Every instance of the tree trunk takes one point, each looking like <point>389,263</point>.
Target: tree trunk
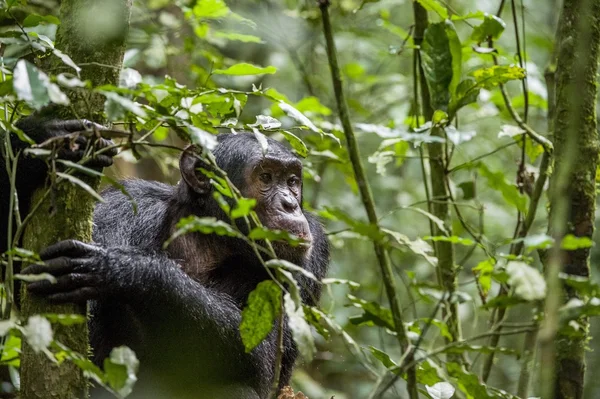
<point>93,33</point>
<point>572,188</point>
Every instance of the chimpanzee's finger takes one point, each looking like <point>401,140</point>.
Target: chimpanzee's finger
<point>76,296</point>
<point>100,161</point>
<point>77,125</point>
<point>68,282</point>
<point>56,267</point>
<point>71,248</point>
<point>103,143</point>
<point>70,155</point>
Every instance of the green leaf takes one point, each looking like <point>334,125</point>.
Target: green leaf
<point>456,52</point>
<point>243,69</point>
<point>352,284</point>
<point>467,92</point>
<point>72,179</point>
<point>296,143</point>
<point>488,78</point>
<point>66,319</point>
<point>484,272</point>
<point>298,116</point>
<point>243,207</point>
<point>120,370</point>
<point>24,254</point>
<point>35,20</point>
<point>289,266</point>
<point>435,6</point>
<point>263,308</point>
<point>204,225</point>
<point>441,390</point>
<point>300,328</point>
<point>383,357</point>
<point>265,122</point>
<point>491,28</point>
<point>116,105</point>
<point>264,233</point>
<point>509,192</point>
<point>11,351</point>
<point>30,278</point>
<point>452,239</point>
<point>571,242</point>
<point>373,314</point>
<point>470,384</point>
<point>441,54</point>
<point>468,189</point>
<point>312,105</point>
<point>238,37</point>
<point>417,246</point>
<point>34,87</point>
<point>210,9</point>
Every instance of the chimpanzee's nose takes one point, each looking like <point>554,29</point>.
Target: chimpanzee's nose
<point>289,203</point>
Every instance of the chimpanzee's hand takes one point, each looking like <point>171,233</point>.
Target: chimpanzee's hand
<point>71,137</point>
<point>82,273</point>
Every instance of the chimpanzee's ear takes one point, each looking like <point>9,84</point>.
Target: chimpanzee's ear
<point>189,163</point>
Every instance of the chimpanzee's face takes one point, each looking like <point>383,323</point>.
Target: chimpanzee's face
<point>276,184</point>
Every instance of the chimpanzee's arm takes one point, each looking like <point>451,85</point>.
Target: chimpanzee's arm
<point>164,298</point>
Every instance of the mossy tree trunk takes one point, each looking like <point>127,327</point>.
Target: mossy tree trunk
<point>573,188</point>
<point>93,33</point>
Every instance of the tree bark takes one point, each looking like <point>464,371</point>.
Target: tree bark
<point>572,189</point>
<point>93,34</point>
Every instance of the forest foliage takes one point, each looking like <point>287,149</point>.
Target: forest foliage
<point>449,108</point>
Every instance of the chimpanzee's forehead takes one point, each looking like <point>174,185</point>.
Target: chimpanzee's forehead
<point>246,148</point>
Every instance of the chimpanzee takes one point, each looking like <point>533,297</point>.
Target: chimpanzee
<point>179,309</point>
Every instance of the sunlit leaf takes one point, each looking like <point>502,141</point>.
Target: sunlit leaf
<point>491,77</point>
<point>298,116</point>
<point>491,28</point>
<point>571,242</point>
<point>300,328</point>
<point>33,86</point>
<point>435,6</point>
<point>120,370</point>
<point>263,308</point>
<point>263,233</point>
<point>210,9</point>
<point>245,69</point>
<point>204,225</point>
<point>238,37</point>
<point>484,272</point>
<point>441,390</point>
<point>296,143</point>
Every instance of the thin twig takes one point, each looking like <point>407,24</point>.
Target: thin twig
<point>367,198</point>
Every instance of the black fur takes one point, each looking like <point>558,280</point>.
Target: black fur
<point>179,309</point>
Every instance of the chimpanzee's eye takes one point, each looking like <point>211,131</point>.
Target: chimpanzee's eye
<point>266,178</point>
<point>293,181</point>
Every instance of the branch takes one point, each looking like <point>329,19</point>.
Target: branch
<point>367,199</point>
